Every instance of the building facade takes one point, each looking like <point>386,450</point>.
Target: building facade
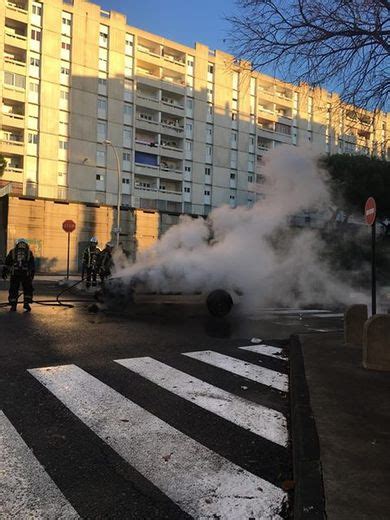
<point>189,125</point>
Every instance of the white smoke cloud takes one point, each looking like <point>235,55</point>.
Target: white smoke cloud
<point>235,248</point>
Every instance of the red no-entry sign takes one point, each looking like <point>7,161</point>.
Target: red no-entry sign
<point>370,211</point>
<point>370,215</point>
<point>68,226</point>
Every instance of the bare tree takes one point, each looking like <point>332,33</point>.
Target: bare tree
<point>339,44</point>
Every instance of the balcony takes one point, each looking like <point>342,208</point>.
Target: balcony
<point>147,96</point>
<point>171,148</point>
<point>147,70</point>
<point>146,169</point>
<point>174,104</point>
<point>171,126</point>
<point>147,120</point>
<point>12,142</point>
<point>172,77</point>
<point>264,144</point>
<point>17,10</point>
<point>174,57</point>
<point>148,47</point>
<point>15,59</point>
<point>13,114</point>
<point>284,97</point>
<point>15,34</point>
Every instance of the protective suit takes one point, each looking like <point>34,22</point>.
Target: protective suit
<point>20,264</point>
<point>91,260</point>
<point>105,262</point>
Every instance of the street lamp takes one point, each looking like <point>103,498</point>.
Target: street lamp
<point>118,167</point>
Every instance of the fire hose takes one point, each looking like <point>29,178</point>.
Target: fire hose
<point>57,302</point>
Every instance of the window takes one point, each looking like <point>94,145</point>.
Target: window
<point>64,95</point>
<point>210,68</point>
<point>127,137</point>
<point>14,80</point>
<point>209,92</point>
<point>129,43</point>
<point>99,177</point>
<point>233,176</point>
<point>104,14</point>
<point>102,104</point>
<point>100,157</point>
<point>187,169</point>
<point>65,45</point>
<point>128,109</point>
<point>35,62</point>
<point>103,39</point>
<point>36,35</point>
<point>233,140</point>
<point>65,70</point>
<point>126,181</point>
<point>209,153</point>
<point>128,89</point>
<point>250,179</point>
<point>207,171</point>
<point>101,131</point>
<point>63,145</point>
<point>187,189</point>
<point>126,156</point>
<point>36,9</point>
<point>235,80</point>
<point>33,138</point>
<point>234,116</point>
<point>67,19</point>
<point>63,127</point>
<point>207,192</point>
<point>188,146</point>
<point>232,197</point>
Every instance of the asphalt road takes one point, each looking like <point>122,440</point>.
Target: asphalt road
<point>152,411</point>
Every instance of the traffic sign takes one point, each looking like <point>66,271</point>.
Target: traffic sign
<point>68,226</point>
<point>370,211</point>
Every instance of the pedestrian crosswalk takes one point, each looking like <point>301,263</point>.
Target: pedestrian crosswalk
<point>197,478</point>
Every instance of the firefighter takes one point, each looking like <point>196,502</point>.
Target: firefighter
<point>91,262</point>
<point>20,264</point>
<point>106,262</point>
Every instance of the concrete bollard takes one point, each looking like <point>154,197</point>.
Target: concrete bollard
<point>376,343</point>
<point>355,317</point>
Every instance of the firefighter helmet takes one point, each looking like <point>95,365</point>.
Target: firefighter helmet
<point>94,240</point>
<point>22,241</point>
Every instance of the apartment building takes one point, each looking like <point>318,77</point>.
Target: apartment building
<point>81,88</point>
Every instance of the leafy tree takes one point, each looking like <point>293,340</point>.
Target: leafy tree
<point>354,178</point>
<point>3,164</point>
<point>344,43</point>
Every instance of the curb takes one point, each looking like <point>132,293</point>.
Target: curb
<point>309,498</point>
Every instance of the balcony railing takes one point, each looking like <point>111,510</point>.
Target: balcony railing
<point>146,50</point>
<point>14,61</point>
<point>12,115</point>
<point>16,7</point>
<point>12,34</point>
<point>13,169</point>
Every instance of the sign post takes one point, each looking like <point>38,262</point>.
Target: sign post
<point>370,215</point>
<point>68,226</point>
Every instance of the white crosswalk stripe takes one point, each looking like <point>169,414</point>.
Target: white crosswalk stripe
<point>199,480</point>
<point>262,375</point>
<point>266,350</point>
<point>259,419</point>
<point>26,490</point>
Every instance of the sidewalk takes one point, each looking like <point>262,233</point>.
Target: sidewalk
<point>351,408</point>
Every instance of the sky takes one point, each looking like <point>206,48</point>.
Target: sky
<point>183,21</point>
